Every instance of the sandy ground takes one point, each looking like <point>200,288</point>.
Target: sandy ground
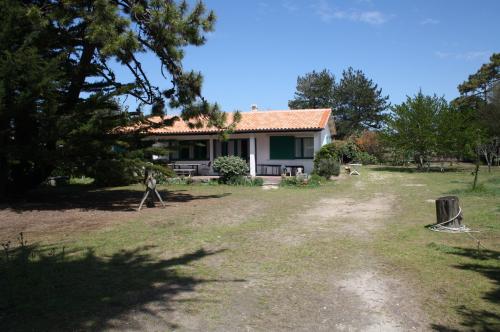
<point>362,297</point>
<point>358,296</point>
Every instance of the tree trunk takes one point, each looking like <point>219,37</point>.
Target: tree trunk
<point>447,208</point>
<point>476,172</point>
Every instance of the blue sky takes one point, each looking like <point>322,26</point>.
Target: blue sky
<point>259,48</point>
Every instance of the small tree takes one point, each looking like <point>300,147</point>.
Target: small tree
<point>369,142</point>
<point>415,126</point>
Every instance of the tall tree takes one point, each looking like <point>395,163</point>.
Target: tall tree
<point>482,82</point>
<point>479,101</point>
<point>57,62</point>
<point>314,90</point>
<point>358,103</point>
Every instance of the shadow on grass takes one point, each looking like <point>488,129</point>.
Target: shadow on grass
<point>484,262</point>
<point>43,290</point>
<point>89,198</point>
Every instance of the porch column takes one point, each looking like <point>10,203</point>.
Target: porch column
<point>317,141</point>
<point>252,157</point>
<point>211,153</point>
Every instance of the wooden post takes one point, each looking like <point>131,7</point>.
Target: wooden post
<point>448,208</point>
<point>150,189</point>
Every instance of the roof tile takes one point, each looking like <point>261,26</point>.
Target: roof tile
<point>255,121</point>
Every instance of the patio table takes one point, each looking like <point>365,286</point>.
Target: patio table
<point>355,169</point>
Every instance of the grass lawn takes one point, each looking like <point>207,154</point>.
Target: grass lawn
<point>352,254</point>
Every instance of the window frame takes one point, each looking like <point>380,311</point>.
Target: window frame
<point>300,141</point>
<point>175,148</point>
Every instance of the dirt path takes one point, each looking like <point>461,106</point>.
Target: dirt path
<point>351,291</point>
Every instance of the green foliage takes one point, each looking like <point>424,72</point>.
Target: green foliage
<point>359,103</point>
<point>125,171</point>
<point>427,126</point>
<point>483,81</point>
<point>58,89</point>
<point>314,90</point>
<point>301,181</point>
<point>369,142</point>
<point>366,158</point>
<point>480,101</point>
<point>230,167</point>
<point>326,167</point>
<point>245,181</point>
<point>118,172</point>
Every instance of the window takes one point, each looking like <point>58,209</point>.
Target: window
<point>200,150</point>
<point>281,147</point>
<point>184,150</point>
<point>187,150</point>
<point>308,147</point>
<point>224,147</point>
<point>304,147</point>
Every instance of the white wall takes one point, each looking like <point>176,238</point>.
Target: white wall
<point>263,152</point>
<point>262,146</point>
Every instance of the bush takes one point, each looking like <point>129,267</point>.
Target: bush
<point>370,142</point>
<point>118,172</point>
<point>230,167</point>
<point>366,158</point>
<point>301,181</point>
<point>122,172</point>
<point>326,166</point>
<point>245,181</point>
<point>162,174</point>
<point>315,180</point>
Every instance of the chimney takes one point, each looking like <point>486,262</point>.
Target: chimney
<point>254,108</point>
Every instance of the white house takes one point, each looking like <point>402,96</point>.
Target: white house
<point>268,140</point>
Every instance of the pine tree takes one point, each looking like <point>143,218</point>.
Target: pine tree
<point>56,77</point>
<point>358,103</point>
<point>314,90</point>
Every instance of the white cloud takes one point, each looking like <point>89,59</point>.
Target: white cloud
<point>467,56</point>
<point>327,13</point>
<point>289,5</point>
<point>429,21</point>
<point>372,17</point>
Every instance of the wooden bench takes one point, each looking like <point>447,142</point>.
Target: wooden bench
<point>184,171</point>
<point>262,169</point>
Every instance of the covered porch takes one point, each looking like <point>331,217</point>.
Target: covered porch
<point>267,154</point>
<point>194,156</point>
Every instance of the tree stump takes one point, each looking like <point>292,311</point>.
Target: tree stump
<point>448,208</point>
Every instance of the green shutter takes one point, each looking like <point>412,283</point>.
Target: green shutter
<point>282,147</point>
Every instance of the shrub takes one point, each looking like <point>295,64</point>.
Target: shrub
<point>118,172</point>
<point>258,182</point>
<point>326,167</point>
<point>301,181</point>
<point>366,158</point>
<point>122,172</point>
<point>162,174</point>
<point>315,180</point>
<point>370,142</point>
<point>230,167</point>
<point>245,181</point>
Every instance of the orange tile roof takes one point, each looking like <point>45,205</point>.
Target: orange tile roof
<point>254,121</point>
